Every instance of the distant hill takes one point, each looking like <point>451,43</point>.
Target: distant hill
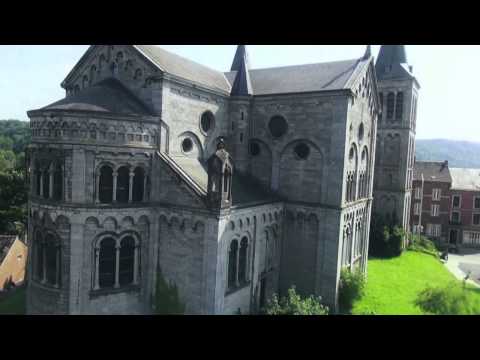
<point>458,153</point>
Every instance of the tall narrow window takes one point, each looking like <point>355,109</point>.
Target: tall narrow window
<point>39,247</point>
<point>107,263</point>
<point>106,185</point>
<point>46,183</point>
<point>123,184</point>
<point>51,260</point>
<point>242,261</point>
<point>399,107</point>
<point>138,185</point>
<point>232,264</point>
<point>38,184</point>
<point>390,105</point>
<point>58,183</point>
<point>127,261</point>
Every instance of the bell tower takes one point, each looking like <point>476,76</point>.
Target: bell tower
<point>398,92</point>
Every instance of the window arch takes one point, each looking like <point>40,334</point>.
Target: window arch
<point>58,183</point>
<point>390,105</point>
<point>207,121</point>
<point>243,261</point>
<point>107,263</point>
<point>105,187</point>
<point>232,264</point>
<point>47,255</point>
<point>123,184</point>
<point>127,260</point>
<point>399,106</point>
<point>138,185</point>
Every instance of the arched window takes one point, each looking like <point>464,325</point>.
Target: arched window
<point>58,183</point>
<point>207,121</point>
<point>105,187</point>
<point>47,255</point>
<point>390,105</point>
<point>51,260</point>
<point>107,263</point>
<point>123,184</point>
<point>127,261</point>
<point>38,273</point>
<point>138,185</point>
<point>399,106</point>
<point>46,182</point>
<point>232,264</point>
<point>242,261</point>
<point>38,180</point>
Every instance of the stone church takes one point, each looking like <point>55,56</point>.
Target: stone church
<point>232,186</point>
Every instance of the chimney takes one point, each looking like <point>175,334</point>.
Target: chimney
<point>444,165</point>
<point>410,68</point>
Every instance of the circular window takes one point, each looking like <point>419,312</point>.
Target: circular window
<point>187,145</point>
<point>207,121</point>
<point>302,151</point>
<point>254,149</point>
<point>278,126</point>
<point>361,132</point>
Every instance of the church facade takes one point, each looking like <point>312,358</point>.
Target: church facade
<point>230,186</point>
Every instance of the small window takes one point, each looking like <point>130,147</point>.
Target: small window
<point>456,201</point>
<point>302,151</point>
<point>399,106</point>
<point>207,121</point>
<point>390,105</point>
<point>455,217</point>
<point>436,194</point>
<point>187,145</point>
<point>255,149</point>
<point>476,204</point>
<point>476,219</point>
<point>361,132</point>
<point>278,126</point>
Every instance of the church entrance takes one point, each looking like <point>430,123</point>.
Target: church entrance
<point>453,237</point>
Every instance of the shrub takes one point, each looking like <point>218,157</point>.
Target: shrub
<point>422,244</point>
<point>352,288</point>
<point>167,300</point>
<point>293,304</point>
<point>386,239</point>
<point>449,300</point>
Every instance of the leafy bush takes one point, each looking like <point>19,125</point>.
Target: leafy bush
<point>167,300</point>
<point>293,304</point>
<point>422,244</point>
<point>386,238</point>
<point>449,300</point>
<point>352,288</point>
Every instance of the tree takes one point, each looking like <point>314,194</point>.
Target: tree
<point>386,238</point>
<point>351,289</point>
<point>294,304</point>
<point>13,199</point>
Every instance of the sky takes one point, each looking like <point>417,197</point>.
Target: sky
<point>449,75</point>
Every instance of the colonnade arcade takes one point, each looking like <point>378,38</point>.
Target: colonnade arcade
<point>47,252</point>
<point>123,184</point>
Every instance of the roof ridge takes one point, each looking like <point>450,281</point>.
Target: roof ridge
<point>301,65</point>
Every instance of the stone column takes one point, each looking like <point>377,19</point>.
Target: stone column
<point>130,187</point>
<point>96,284</point>
<point>97,188</point>
<point>145,188</point>
<point>114,197</point>
<point>237,282</point>
<point>135,265</point>
<point>117,267</point>
<point>57,266</point>
<point>40,173</point>
<point>44,256</point>
<point>50,184</point>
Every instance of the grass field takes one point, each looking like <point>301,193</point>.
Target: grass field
<point>393,284</point>
<point>13,304</point>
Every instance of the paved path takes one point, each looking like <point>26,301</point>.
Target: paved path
<point>461,264</point>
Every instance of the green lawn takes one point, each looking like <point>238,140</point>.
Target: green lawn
<point>393,284</point>
<point>13,304</point>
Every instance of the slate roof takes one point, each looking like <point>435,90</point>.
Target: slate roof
<point>465,179</point>
<point>300,78</point>
<point>185,68</point>
<point>392,63</point>
<point>432,171</point>
<point>108,96</point>
<point>244,189</point>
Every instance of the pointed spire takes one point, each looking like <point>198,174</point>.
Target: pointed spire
<point>390,59</point>
<point>368,53</point>
<point>242,85</point>
<point>241,57</point>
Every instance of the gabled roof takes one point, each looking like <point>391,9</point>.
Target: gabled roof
<point>436,171</point>
<point>107,96</point>
<point>185,68</point>
<point>300,78</point>
<point>465,179</point>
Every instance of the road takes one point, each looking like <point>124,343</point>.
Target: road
<point>467,261</point>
